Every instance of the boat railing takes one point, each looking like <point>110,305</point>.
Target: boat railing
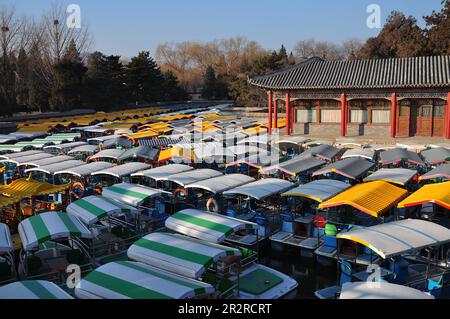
<point>98,250</point>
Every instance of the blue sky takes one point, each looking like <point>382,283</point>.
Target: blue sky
<point>125,27</point>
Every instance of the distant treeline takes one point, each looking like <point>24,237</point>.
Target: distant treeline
<point>44,65</point>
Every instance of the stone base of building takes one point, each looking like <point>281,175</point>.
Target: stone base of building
<point>374,131</point>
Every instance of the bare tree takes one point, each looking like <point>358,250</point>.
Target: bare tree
<point>54,36</point>
<point>189,60</point>
<point>305,48</point>
<point>351,47</point>
<point>14,31</point>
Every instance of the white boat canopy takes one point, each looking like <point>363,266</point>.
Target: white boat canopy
<point>102,139</point>
<point>399,176</point>
<point>212,151</point>
<point>257,160</point>
<point>163,171</point>
<point>398,237</point>
<point>33,289</point>
<point>256,139</point>
<point>206,226</point>
<point>109,153</point>
<point>64,147</point>
<point>84,149</point>
<point>261,189</point>
<point>19,154</point>
<point>380,290</point>
<point>319,190</point>
<point>296,140</point>
<point>91,209</point>
<point>367,153</point>
<point>442,171</point>
<point>246,149</point>
<point>192,176</point>
<point>123,170</point>
<point>41,228</point>
<point>131,194</point>
<point>26,159</point>
<point>56,167</point>
<point>134,280</point>
<point>6,244</point>
<point>178,254</point>
<point>86,169</point>
<point>48,161</point>
<point>222,183</point>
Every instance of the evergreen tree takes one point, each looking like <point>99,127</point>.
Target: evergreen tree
<point>221,87</point>
<point>400,37</point>
<point>282,54</point>
<point>105,78</point>
<point>144,79</point>
<point>209,83</point>
<point>69,76</point>
<point>438,30</point>
<point>7,84</point>
<point>291,59</point>
<point>172,89</point>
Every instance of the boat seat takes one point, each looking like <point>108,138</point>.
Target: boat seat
<point>328,293</point>
<point>310,243</point>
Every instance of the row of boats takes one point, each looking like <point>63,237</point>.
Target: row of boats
<point>145,228</point>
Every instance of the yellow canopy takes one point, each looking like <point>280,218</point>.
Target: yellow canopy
<point>434,193</point>
<point>215,117</point>
<point>143,134</point>
<point>281,124</point>
<point>27,187</point>
<point>374,198</point>
<point>176,117</point>
<point>255,130</point>
<point>176,151</point>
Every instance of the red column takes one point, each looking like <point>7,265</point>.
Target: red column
<point>343,115</point>
<point>288,114</point>
<point>447,118</point>
<point>393,114</point>
<point>292,119</point>
<point>275,114</point>
<point>270,97</point>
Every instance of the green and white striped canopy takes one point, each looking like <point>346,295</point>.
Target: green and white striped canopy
<point>33,289</point>
<point>38,229</point>
<point>178,254</point>
<point>131,194</point>
<point>134,280</point>
<point>93,208</point>
<point>206,226</point>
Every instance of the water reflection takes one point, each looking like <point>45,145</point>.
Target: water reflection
<point>309,274</point>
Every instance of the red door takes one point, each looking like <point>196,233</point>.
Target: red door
<point>438,120</point>
<point>424,120</point>
<point>404,120</point>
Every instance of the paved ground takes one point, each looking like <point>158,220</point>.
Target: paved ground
<point>408,141</point>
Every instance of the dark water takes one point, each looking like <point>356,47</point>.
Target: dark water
<point>310,275</point>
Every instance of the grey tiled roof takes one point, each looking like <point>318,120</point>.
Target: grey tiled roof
<point>360,74</point>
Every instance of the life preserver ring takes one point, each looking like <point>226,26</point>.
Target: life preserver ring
<point>61,153</point>
<point>319,222</point>
<point>88,159</point>
<point>176,194</point>
<point>78,185</point>
<point>212,202</point>
<point>98,190</point>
